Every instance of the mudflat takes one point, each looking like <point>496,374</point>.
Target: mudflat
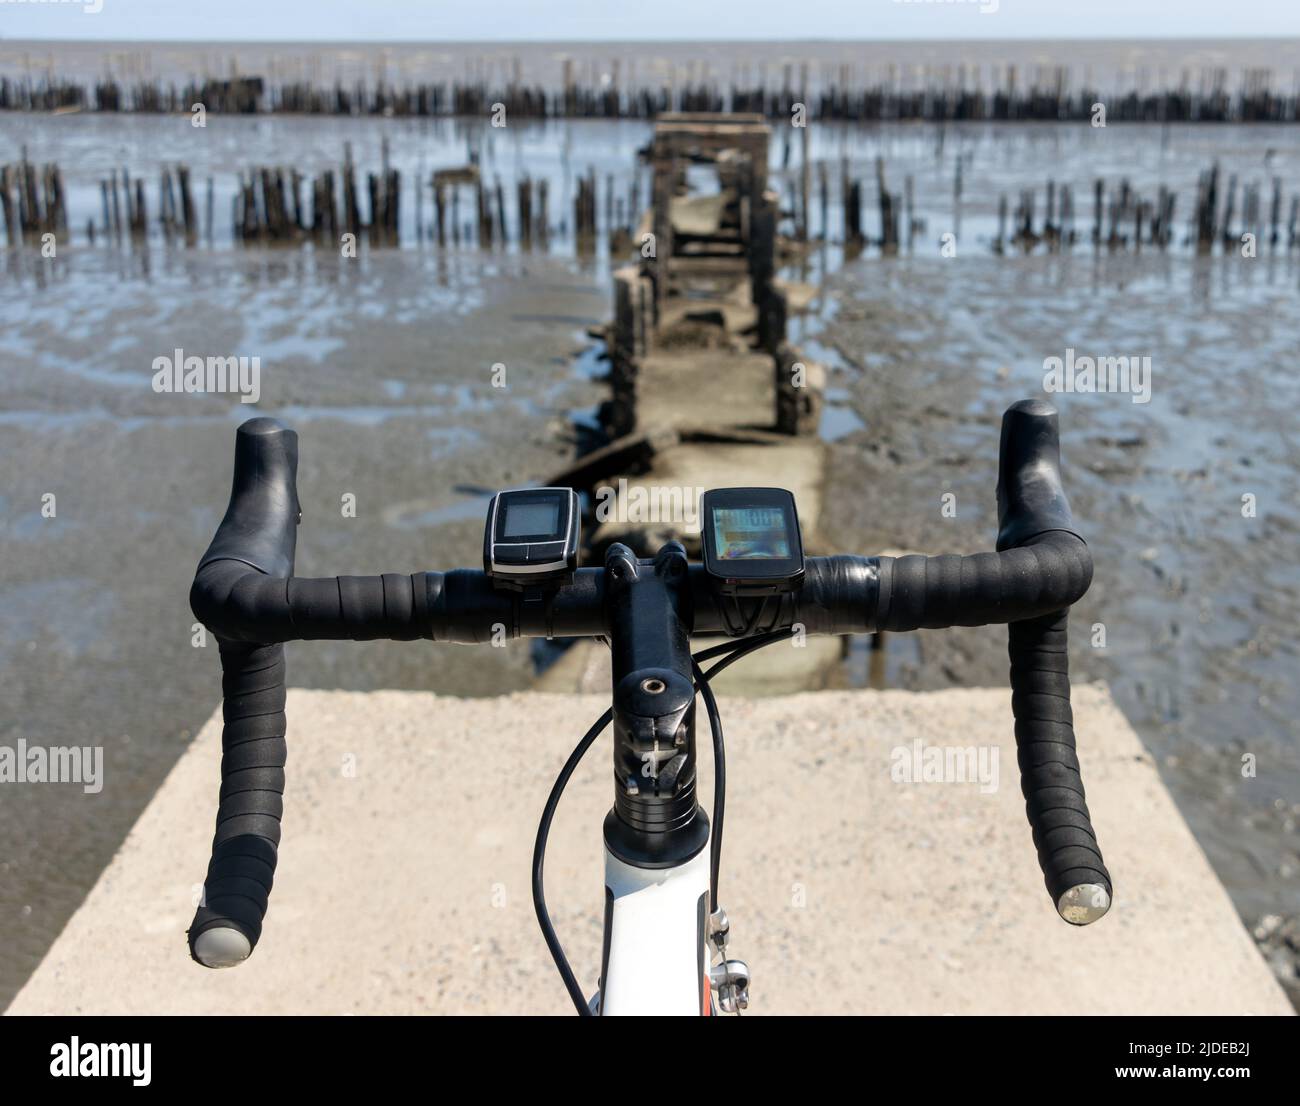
<point>385,371</point>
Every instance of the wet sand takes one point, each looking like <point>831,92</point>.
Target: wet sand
<point>1199,604</point>
<point>384,369</point>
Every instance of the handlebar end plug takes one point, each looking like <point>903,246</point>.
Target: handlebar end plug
<point>1084,904</point>
<point>221,947</point>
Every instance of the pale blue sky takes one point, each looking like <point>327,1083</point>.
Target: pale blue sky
<point>621,20</point>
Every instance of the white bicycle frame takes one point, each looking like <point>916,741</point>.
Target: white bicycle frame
<point>656,956</point>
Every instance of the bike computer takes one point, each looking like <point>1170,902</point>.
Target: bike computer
<point>751,542</point>
<point>531,537</point>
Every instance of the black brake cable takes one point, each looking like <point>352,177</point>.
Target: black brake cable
<point>539,859</point>
<point>719,781</point>
<point>730,653</point>
<point>734,650</point>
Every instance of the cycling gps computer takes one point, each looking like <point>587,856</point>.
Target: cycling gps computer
<point>751,542</point>
<point>531,537</point>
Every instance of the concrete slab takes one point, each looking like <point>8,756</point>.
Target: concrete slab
<point>403,880</point>
<point>708,388</point>
<point>797,464</point>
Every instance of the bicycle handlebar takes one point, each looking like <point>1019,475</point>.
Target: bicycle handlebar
<point>244,591</point>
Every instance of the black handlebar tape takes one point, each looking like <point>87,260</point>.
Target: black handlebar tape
<point>929,593</point>
<point>258,533</point>
<point>239,604</point>
<point>228,921</point>
<point>1050,780</point>
<point>1033,512</point>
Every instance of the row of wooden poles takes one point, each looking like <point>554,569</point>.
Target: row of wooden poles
<point>1124,219</point>
<point>125,211</point>
<point>271,206</point>
<point>491,226</point>
<point>32,201</point>
<point>465,208</point>
<point>944,93</point>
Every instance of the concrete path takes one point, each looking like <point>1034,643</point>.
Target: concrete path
<point>714,388</point>
<point>409,822</point>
